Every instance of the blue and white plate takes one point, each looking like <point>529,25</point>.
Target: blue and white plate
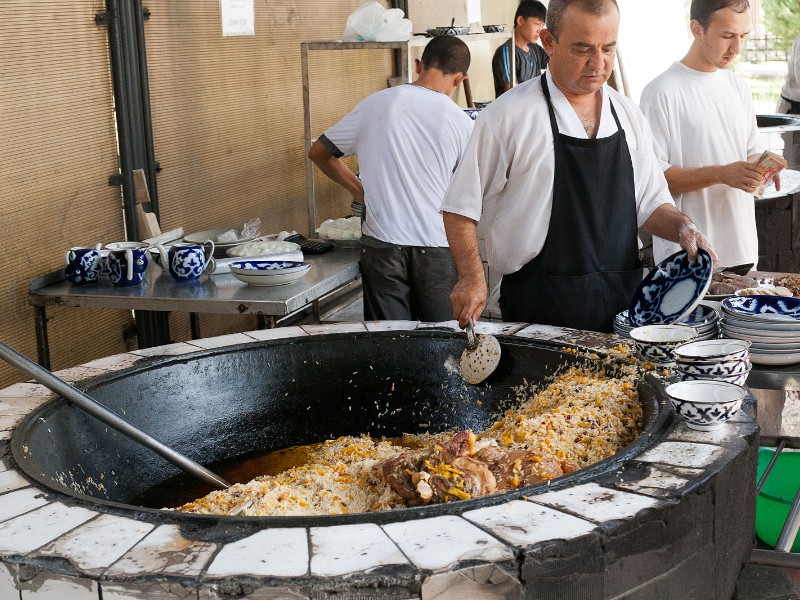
<point>672,290</point>
<point>772,309</point>
<point>268,273</point>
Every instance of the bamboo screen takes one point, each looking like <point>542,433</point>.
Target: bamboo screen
<point>58,150</point>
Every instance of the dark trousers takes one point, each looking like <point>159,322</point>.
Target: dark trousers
<point>406,282</point>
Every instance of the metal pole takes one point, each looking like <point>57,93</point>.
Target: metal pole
<point>100,412</point>
<point>147,121</point>
<point>790,527</point>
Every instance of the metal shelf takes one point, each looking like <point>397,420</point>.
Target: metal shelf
<point>406,60</point>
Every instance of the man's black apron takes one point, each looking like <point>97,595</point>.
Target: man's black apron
<point>589,268</point>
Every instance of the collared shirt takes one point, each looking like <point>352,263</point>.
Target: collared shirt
<point>505,177</point>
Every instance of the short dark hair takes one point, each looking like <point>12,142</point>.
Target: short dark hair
<point>702,10</point>
<point>446,53</point>
<point>530,9</point>
<point>557,8</point>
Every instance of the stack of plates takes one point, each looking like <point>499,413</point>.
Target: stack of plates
<point>703,318</point>
<point>265,272</point>
<point>770,323</point>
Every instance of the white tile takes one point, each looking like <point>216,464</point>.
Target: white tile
<point>28,532</point>
<point>484,582</point>
<point>148,590</point>
<point>220,341</point>
<point>276,333</point>
<point>333,328</point>
<point>97,543</point>
<point>596,503</point>
<point>27,390</point>
<point>280,552</point>
<point>345,549</point>
<point>441,325</point>
<point>545,332</point>
<point>116,362</point>
<point>20,501</point>
<point>680,454</point>
<point>497,328</point>
<point>167,350</point>
<point>659,481</point>
<point>10,405</point>
<point>525,523</point>
<point>9,422</point>
<point>8,586</point>
<point>165,550</point>
<point>59,587</point>
<point>271,593</point>
<point>11,480</point>
<point>77,374</point>
<point>391,325</point>
<point>439,542</point>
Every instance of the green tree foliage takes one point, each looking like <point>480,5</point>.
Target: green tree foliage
<point>782,19</point>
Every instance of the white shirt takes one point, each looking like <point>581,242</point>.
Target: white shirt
<point>408,140</point>
<point>505,176</point>
<point>791,87</point>
<point>700,119</point>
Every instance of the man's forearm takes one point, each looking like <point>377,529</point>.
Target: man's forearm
<point>336,170</point>
<point>682,181</point>
<point>462,235</point>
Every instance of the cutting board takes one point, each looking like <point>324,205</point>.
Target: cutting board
<point>146,220</point>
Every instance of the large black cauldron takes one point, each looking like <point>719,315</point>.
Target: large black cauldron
<point>246,400</point>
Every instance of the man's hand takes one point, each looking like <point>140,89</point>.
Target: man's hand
<point>690,239</point>
<point>469,300</point>
<point>742,175</point>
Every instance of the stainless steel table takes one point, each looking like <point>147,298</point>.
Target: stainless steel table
<point>220,293</point>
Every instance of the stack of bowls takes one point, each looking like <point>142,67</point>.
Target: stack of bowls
<point>703,319</point>
<point>770,323</point>
<point>717,360</point>
<point>656,343</point>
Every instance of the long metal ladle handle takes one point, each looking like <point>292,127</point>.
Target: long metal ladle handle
<point>100,412</point>
<point>472,341</point>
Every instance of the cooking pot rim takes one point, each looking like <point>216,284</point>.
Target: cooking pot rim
<point>652,394</point>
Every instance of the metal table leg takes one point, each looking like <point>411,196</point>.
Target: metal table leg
<point>42,345</point>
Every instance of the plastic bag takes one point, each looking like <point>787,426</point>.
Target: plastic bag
<point>373,23</point>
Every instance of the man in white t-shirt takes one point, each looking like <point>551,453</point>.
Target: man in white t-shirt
<point>706,136</point>
<point>408,140</point>
<point>561,214</point>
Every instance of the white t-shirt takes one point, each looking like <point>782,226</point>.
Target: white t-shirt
<point>505,176</point>
<point>700,119</point>
<point>408,140</point>
<point>791,87</point>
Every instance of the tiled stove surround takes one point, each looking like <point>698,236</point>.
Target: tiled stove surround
<point>674,522</point>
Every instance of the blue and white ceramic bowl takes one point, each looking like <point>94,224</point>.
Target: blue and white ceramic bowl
<point>726,368</point>
<point>706,404</point>
<point>737,379</point>
<point>657,342</point>
<point>718,350</point>
<point>773,309</point>
<point>672,290</point>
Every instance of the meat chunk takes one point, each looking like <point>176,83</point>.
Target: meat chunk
<point>514,469</point>
<point>439,474</point>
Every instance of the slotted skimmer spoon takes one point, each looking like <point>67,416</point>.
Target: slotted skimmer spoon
<point>110,418</point>
<point>480,357</point>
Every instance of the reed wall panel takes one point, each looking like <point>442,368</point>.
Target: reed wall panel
<point>58,150</point>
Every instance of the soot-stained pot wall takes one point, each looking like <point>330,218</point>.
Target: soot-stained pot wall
<point>673,515</point>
